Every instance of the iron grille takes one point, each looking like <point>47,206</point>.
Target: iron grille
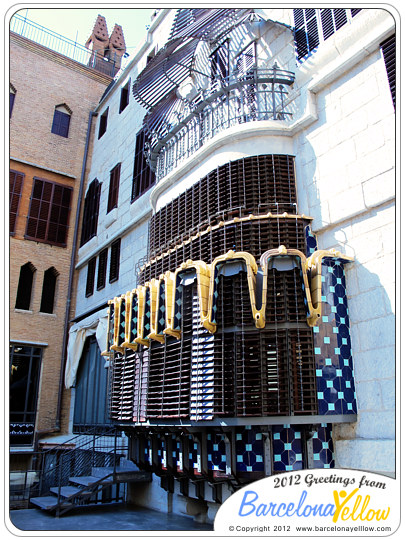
<point>251,185</point>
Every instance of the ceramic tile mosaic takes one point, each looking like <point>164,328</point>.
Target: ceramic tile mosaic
<point>194,455</point>
<point>216,452</point>
<point>178,453</point>
<point>249,449</point>
<point>287,448</point>
<point>311,241</point>
<point>332,345</point>
<point>322,447</point>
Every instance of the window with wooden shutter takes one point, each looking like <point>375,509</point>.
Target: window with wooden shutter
<point>24,290</point>
<point>245,61</point>
<point>124,101</point>
<point>12,98</point>
<point>220,64</point>
<point>16,183</point>
<point>90,212</point>
<point>114,188</point>
<point>61,121</point>
<point>313,26</point>
<point>48,217</point>
<point>48,290</point>
<point>144,177</point>
<point>91,272</point>
<point>102,128</point>
<point>115,260</point>
<point>102,269</point>
<point>388,50</point>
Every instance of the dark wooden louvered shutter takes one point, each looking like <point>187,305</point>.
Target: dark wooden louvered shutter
<point>115,260</point>
<point>102,269</point>
<point>16,183</point>
<point>91,272</point>
<point>49,212</point>
<point>124,101</point>
<point>90,212</point>
<point>143,177</point>
<point>60,124</point>
<point>306,31</point>
<point>246,60</point>
<point>388,50</point>
<point>48,291</point>
<point>12,97</point>
<point>114,188</point>
<point>220,63</point>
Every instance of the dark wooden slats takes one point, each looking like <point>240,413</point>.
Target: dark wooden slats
<point>388,50</point>
<point>253,185</point>
<point>115,260</point>
<point>254,236</point>
<point>49,212</point>
<point>90,212</point>
<point>16,183</point>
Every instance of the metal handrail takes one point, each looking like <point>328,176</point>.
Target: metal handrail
<point>255,96</point>
<point>47,38</point>
<point>69,456</point>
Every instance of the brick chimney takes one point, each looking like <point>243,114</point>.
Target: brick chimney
<point>107,51</point>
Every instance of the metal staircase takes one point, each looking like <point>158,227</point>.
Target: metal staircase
<point>88,470</point>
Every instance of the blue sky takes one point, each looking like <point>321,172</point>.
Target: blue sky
<point>77,23</point>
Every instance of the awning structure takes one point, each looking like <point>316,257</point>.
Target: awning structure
<point>78,334</point>
<point>176,61</point>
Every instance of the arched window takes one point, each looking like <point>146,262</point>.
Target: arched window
<point>48,290</point>
<point>90,212</point>
<point>24,291</point>
<point>12,97</point>
<point>61,120</point>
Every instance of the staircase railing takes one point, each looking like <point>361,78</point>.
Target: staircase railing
<point>77,457</point>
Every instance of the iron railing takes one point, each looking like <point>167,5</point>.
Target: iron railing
<point>258,95</point>
<point>76,457</point>
<point>62,45</point>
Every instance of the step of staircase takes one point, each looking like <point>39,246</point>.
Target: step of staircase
<point>84,480</point>
<point>69,491</point>
<point>48,503</point>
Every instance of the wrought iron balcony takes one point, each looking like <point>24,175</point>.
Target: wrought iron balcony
<point>179,127</point>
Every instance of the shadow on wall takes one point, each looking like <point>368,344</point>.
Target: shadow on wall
<point>369,238</point>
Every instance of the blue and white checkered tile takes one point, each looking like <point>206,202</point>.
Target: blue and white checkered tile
<point>287,448</point>
<point>332,345</point>
<point>311,241</point>
<point>249,449</point>
<point>323,454</point>
<point>216,452</point>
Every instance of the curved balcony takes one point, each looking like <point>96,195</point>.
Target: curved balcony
<point>179,126</point>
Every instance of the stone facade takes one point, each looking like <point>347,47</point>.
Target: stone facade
<point>342,135</point>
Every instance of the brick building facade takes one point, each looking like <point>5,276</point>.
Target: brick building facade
<point>51,97</point>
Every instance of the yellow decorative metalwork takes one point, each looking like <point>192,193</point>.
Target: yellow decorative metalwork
<point>203,272</point>
<point>206,287</point>
<point>129,343</point>
<point>109,308</point>
<point>154,286</point>
<point>314,268</point>
<point>282,251</point>
<point>251,270</point>
<point>141,339</point>
<point>169,279</point>
<point>116,346</point>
